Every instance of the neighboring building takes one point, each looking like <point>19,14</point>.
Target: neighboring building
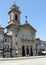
<point>40,46</point>
<point>19,40</point>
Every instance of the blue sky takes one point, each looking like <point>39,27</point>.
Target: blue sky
<point>34,9</point>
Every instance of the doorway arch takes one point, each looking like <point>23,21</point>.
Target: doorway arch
<point>23,50</point>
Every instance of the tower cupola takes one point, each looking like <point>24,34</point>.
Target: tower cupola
<point>14,15</point>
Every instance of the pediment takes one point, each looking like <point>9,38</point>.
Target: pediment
<point>27,26</point>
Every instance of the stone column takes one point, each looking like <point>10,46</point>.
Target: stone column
<point>25,51</point>
<point>34,52</point>
<point>29,50</point>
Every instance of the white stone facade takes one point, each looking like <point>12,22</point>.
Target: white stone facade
<point>40,46</point>
<point>19,40</point>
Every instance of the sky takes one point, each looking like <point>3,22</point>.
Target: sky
<point>35,11</point>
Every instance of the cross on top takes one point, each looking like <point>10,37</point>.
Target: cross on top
<point>14,2</point>
<point>26,19</point>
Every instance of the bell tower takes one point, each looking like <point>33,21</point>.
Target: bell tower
<point>14,15</point>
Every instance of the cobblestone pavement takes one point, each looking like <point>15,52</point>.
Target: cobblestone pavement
<point>24,61</point>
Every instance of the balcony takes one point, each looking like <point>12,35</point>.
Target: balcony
<point>27,40</point>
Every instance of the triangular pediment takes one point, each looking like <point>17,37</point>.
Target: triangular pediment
<point>27,26</point>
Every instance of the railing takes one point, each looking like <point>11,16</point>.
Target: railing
<point>28,40</point>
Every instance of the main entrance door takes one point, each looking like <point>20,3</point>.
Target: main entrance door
<point>23,50</point>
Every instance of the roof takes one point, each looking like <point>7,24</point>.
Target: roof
<point>10,25</point>
<point>40,40</point>
<point>8,34</point>
<point>14,8</point>
<point>37,38</point>
<point>1,27</point>
<point>27,24</point>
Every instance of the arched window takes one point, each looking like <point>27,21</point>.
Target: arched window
<point>16,35</point>
<point>5,40</point>
<point>23,50</point>
<point>16,43</point>
<point>16,17</point>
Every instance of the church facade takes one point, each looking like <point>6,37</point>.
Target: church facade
<point>19,40</point>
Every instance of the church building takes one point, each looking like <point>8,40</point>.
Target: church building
<point>19,39</point>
